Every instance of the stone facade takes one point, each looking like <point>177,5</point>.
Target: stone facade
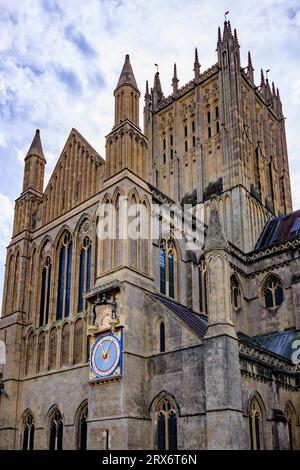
<point>200,346</point>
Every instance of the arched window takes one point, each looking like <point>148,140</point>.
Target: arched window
<point>166,425</point>
<point>235,292</point>
<point>28,432</point>
<point>64,277</point>
<point>209,132</point>
<point>56,431</point>
<point>272,292</point>
<point>82,429</point>
<point>162,337</point>
<point>256,425</point>
<point>202,287</point>
<point>167,268</point>
<point>85,268</point>
<point>45,292</point>
<point>290,422</point>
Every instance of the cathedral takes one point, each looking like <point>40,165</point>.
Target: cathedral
<point>159,341</point>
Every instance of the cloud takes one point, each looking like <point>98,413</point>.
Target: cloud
<point>6,219</point>
<point>69,79</point>
<point>79,40</point>
<point>60,62</point>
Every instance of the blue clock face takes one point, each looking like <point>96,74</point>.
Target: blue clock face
<point>105,355</point>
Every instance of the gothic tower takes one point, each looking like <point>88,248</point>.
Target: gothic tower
<point>126,145</point>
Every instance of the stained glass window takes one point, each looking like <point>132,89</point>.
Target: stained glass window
<point>64,277</point>
<point>256,425</point>
<point>82,429</point>
<point>167,268</point>
<point>85,266</point>
<point>45,293</point>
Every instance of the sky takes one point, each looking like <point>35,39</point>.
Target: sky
<point>60,61</point>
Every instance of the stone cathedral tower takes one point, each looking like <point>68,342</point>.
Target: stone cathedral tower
<point>160,344</point>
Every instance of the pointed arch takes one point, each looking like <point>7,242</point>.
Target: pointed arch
<point>65,343</point>
<point>145,231</point>
<point>291,423</point>
<point>16,280</point>
<point>81,425</point>
<point>236,291</point>
<point>53,344</point>
<point>272,291</point>
<point>78,341</point>
<point>165,414</point>
<point>31,286</point>
<point>56,428</point>
<point>28,429</point>
<point>9,274</point>
<point>65,255</point>
<point>29,353</point>
<point>168,267</point>
<point>41,351</point>
<point>256,413</point>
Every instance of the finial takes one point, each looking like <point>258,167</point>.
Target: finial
<point>219,35</point>
<point>175,80</point>
<point>273,89</point>
<point>147,87</point>
<point>196,65</point>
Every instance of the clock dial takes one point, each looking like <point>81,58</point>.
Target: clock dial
<point>105,355</point>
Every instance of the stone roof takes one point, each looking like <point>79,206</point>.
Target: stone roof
<point>36,147</point>
<point>127,75</point>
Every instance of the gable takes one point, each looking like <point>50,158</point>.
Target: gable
<point>76,178</point>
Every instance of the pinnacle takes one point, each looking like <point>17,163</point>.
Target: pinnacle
<point>36,147</point>
<point>127,75</point>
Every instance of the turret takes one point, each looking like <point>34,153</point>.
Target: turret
<point>127,96</point>
<point>34,165</point>
<point>126,146</point>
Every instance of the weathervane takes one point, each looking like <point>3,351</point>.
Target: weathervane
<point>156,65</point>
<point>267,71</point>
<point>225,15</point>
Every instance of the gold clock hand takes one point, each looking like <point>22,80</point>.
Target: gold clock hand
<point>108,347</point>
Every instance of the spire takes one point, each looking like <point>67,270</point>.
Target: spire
<point>127,75</point>
<point>147,90</point>
<point>236,36</point>
<point>273,89</point>
<point>196,65</point>
<point>175,80</point>
<point>157,85</point>
<point>36,148</point>
<point>262,78</point>
<point>278,95</point>
<point>35,162</point>
<point>250,66</point>
<point>219,36</point>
